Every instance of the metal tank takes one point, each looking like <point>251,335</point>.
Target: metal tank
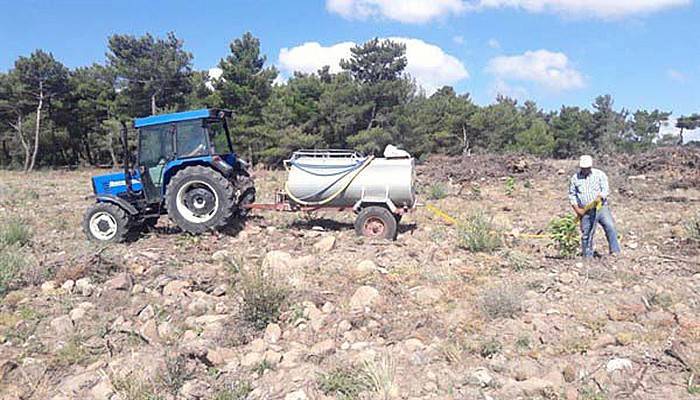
<point>344,178</point>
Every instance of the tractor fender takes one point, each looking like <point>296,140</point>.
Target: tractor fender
<point>108,198</point>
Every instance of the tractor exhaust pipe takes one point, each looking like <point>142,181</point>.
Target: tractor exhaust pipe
<point>127,169</point>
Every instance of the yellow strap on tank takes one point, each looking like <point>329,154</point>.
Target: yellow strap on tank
<point>332,196</point>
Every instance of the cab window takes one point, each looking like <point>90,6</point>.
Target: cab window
<point>191,139</point>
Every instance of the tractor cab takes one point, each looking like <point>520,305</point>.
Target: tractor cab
<point>166,142</point>
<point>185,167</point>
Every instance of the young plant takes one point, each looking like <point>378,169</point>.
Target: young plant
<point>510,186</point>
<point>343,383</point>
<point>14,232</point>
<point>564,233</point>
<point>263,296</point>
<point>437,191</point>
<point>692,228</point>
<point>478,233</point>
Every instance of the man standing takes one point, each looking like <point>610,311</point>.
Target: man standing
<point>588,194</point>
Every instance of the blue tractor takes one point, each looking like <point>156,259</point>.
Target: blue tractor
<point>185,167</point>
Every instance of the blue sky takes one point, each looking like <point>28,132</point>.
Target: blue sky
<point>646,53</point>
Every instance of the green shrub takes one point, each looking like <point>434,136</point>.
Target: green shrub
<point>15,232</point>
<point>490,348</point>
<point>501,302</point>
<point>263,297</point>
<point>343,383</point>
<point>478,233</point>
<point>12,264</point>
<point>437,191</point>
<point>235,391</point>
<point>564,233</point>
<point>510,186</point>
<point>692,228</point>
<point>176,373</point>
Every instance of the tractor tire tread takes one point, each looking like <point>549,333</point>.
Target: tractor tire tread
<point>122,218</point>
<point>227,199</point>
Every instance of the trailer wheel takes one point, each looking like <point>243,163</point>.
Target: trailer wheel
<point>106,222</point>
<point>376,222</point>
<point>199,199</point>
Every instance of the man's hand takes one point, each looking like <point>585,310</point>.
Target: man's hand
<point>579,211</point>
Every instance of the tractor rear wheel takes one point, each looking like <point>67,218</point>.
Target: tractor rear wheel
<point>106,222</point>
<point>376,222</point>
<point>200,199</point>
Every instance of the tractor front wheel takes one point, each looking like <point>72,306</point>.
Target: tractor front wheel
<point>376,222</point>
<point>106,222</point>
<point>200,199</point>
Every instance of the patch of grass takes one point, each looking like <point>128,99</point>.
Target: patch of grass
<point>12,263</point>
<point>381,376</point>
<point>452,352</point>
<point>15,231</point>
<point>523,342</point>
<point>490,348</point>
<point>662,300</point>
<point>234,391</point>
<point>564,233</point>
<point>261,367</point>
<point>437,191</point>
<point>263,297</point>
<point>176,373</point>
<point>591,393</point>
<point>517,261</point>
<point>71,354</point>
<point>692,228</point>
<point>478,233</point>
<point>130,387</point>
<point>343,383</point>
<point>501,302</point>
<point>575,345</point>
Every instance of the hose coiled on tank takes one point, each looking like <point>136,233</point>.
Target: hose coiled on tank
<point>353,173</point>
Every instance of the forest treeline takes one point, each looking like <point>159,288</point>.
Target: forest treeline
<point>51,115</point>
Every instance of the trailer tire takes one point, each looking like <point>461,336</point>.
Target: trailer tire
<point>106,223</point>
<point>376,222</point>
<point>200,199</point>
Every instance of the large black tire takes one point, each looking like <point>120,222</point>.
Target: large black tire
<point>106,223</point>
<point>245,194</point>
<point>200,199</point>
<point>376,222</point>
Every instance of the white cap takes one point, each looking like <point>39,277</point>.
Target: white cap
<point>586,162</point>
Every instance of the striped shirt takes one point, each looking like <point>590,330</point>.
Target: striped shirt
<point>583,190</point>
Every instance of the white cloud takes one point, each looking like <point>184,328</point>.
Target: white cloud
<point>312,56</point>
<point>494,44</point>
<point>422,11</point>
<point>459,39</point>
<point>676,75</point>
<point>545,68</point>
<point>597,8</point>
<point>406,11</point>
<point>428,64</point>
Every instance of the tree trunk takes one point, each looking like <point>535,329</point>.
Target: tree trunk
<point>681,140</point>
<point>153,104</point>
<point>371,119</point>
<point>20,132</point>
<point>38,127</point>
<point>112,153</point>
<point>88,149</point>
<point>6,153</point>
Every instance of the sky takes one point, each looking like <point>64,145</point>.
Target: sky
<point>645,53</point>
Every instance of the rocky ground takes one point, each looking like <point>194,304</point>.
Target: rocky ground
<point>294,306</point>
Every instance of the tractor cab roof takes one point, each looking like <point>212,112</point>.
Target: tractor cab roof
<point>181,116</point>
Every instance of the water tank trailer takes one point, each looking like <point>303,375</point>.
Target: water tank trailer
<point>379,190</point>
